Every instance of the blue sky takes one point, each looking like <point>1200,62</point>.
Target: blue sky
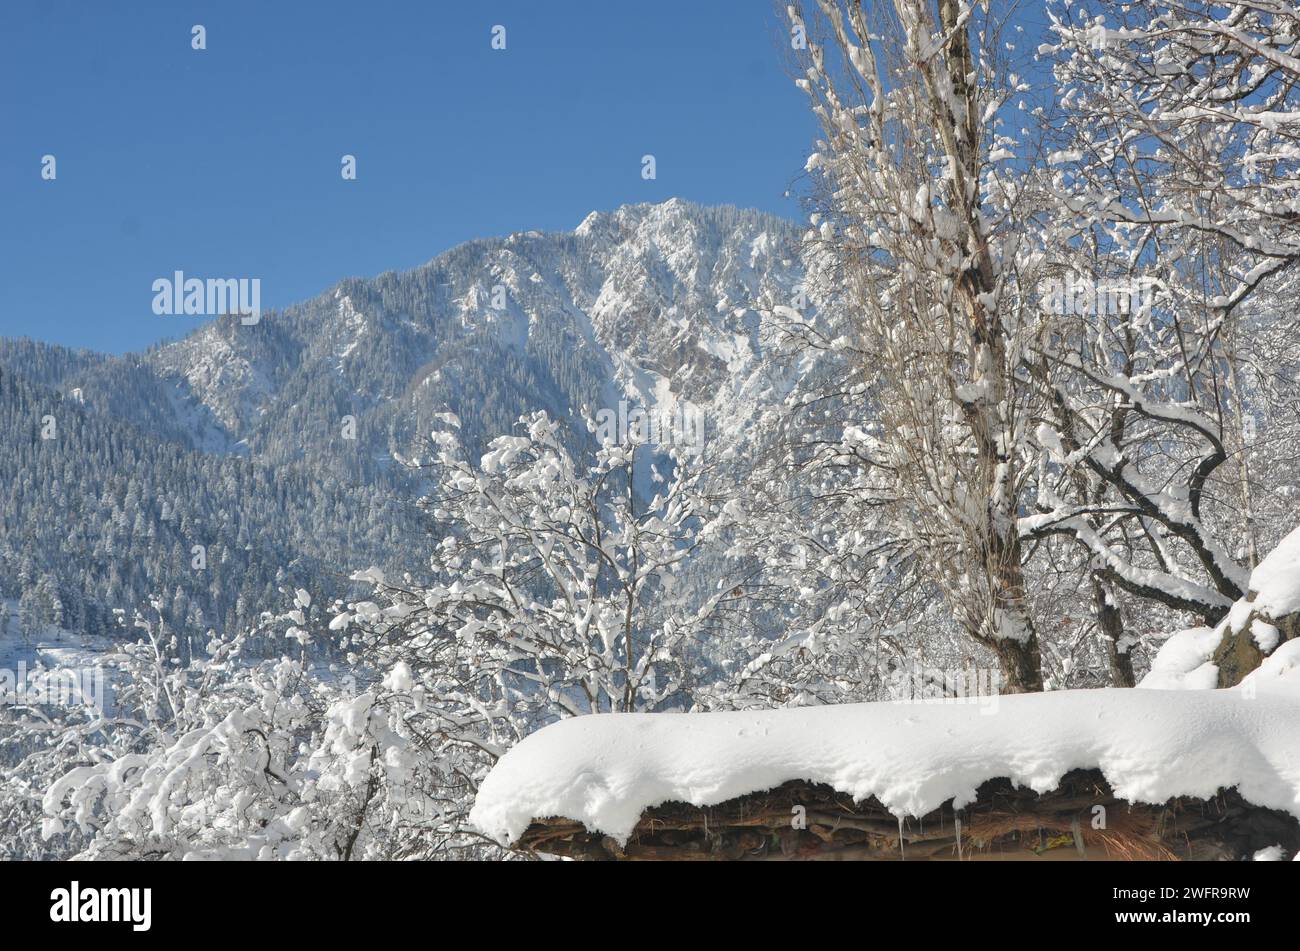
<point>225,162</point>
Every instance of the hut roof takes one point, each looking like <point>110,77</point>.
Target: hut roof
<point>603,774</point>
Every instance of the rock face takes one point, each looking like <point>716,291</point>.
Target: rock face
<point>1266,618</point>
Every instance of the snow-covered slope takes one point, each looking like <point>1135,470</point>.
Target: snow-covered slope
<point>652,304</point>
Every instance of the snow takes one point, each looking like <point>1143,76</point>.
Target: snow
<point>1276,581</point>
<point>605,770</point>
<point>1282,663</point>
<point>1183,662</point>
<point>1266,635</point>
<point>400,678</point>
<point>354,323</point>
<point>54,656</point>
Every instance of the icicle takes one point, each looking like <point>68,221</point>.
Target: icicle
<point>1078,838</point>
<point>956,821</point>
<point>902,853</point>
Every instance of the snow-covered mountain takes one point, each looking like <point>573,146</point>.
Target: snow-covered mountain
<point>648,304</point>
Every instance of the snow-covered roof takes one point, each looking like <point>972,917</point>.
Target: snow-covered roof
<point>1151,745</point>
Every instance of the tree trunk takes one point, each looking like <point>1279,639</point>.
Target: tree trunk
<point>1018,656</point>
<point>1022,666</point>
<point>1110,622</point>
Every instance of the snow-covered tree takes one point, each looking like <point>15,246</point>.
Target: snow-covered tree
<point>555,584</point>
<point>1063,318</point>
<point>1177,134</point>
<point>921,230</point>
<point>553,592</point>
<point>228,756</point>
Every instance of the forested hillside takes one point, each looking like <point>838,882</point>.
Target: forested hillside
<point>97,514</point>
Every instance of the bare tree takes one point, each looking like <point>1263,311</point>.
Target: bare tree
<point>919,228</point>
